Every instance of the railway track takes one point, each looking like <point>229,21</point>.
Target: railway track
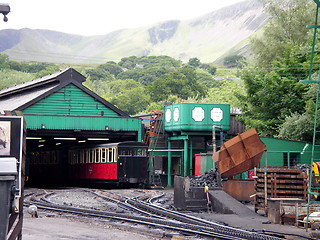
<point>149,214</point>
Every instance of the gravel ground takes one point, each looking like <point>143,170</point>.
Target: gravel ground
<point>52,226</point>
<point>48,227</point>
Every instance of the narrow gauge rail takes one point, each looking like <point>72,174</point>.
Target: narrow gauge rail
<point>174,223</point>
<point>196,223</point>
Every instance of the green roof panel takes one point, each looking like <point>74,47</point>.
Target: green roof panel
<point>71,101</point>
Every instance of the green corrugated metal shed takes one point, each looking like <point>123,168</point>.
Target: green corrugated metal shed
<point>282,152</point>
<point>70,100</point>
<point>60,102</point>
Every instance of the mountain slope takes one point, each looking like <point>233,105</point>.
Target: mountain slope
<point>207,37</point>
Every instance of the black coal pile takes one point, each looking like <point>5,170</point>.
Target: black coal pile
<point>303,167</point>
<point>208,179</point>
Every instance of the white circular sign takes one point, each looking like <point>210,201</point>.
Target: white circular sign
<point>198,114</point>
<point>216,114</point>
<point>176,114</point>
<point>168,115</point>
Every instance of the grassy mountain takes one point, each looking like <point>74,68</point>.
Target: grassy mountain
<point>207,37</point>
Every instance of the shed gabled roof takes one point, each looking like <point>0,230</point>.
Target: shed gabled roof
<point>26,94</point>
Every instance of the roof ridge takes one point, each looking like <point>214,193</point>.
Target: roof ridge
<point>36,81</point>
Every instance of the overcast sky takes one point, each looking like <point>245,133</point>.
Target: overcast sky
<point>97,17</point>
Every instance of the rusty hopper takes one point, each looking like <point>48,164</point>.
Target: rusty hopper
<point>239,154</point>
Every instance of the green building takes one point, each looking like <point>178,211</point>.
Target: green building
<point>188,129</point>
<point>286,153</point>
<point>60,112</point>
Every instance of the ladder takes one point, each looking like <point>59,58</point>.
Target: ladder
<point>314,178</point>
<point>151,138</point>
<point>154,129</point>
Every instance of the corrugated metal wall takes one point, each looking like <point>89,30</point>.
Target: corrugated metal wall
<point>70,100</point>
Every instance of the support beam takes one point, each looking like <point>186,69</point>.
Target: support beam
<point>182,137</point>
<point>185,158</point>
<point>169,164</point>
<point>190,159</point>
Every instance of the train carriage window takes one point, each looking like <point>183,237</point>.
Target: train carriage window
<point>69,154</point>
<point>115,155</point>
<point>73,157</point>
<point>92,155</point>
<point>87,156</point>
<point>98,155</point>
<point>69,157</point>
<point>110,154</point>
<point>40,158</point>
<point>52,157</point>
<point>32,158</point>
<point>139,152</point>
<point>56,157</point>
<point>82,156</point>
<point>103,155</point>
<point>37,158</point>
<point>47,157</point>
<point>78,157</point>
<point>43,158</point>
<point>125,152</point>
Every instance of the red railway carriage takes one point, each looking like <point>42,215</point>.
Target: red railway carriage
<point>123,162</point>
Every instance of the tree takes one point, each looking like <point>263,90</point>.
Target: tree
<point>99,74</point>
<point>235,61</point>
<point>4,60</point>
<point>100,87</point>
<point>129,95</point>
<point>297,127</point>
<point>111,67</point>
<point>194,62</point>
<point>225,93</point>
<point>182,83</point>
<point>49,69</point>
<point>160,104</point>
<point>146,61</point>
<point>286,29</point>
<point>163,61</point>
<point>209,68</point>
<point>128,62</point>
<point>269,99</point>
<point>120,86</point>
<point>144,75</point>
<point>274,99</point>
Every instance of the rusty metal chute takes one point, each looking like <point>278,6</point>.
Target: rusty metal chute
<point>239,154</point>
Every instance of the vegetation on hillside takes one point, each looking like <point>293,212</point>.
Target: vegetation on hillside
<point>143,84</point>
<point>275,102</point>
<point>140,84</point>
<point>267,92</point>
